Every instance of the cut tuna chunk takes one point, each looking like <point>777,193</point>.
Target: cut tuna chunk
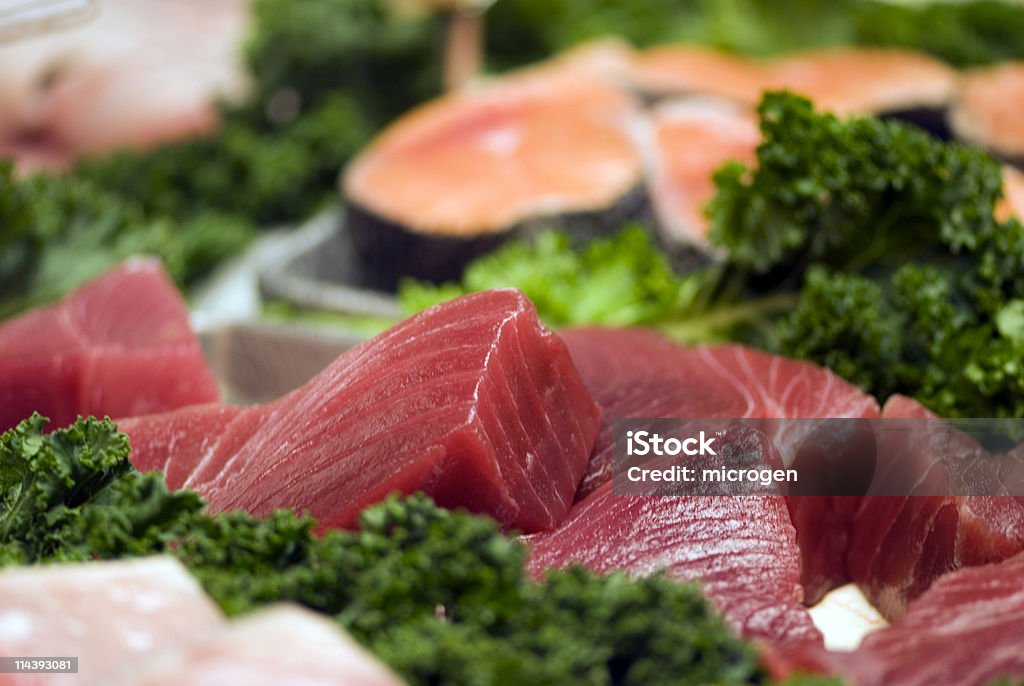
<point>473,402</point>
<point>899,544</point>
<point>119,346</point>
<point>964,631</point>
<point>107,614</point>
<point>691,139</point>
<point>741,548</point>
<point>637,373</point>
<point>279,645</point>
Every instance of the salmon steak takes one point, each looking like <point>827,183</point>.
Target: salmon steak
<point>845,81</point>
<point>690,140</point>
<point>453,177</point>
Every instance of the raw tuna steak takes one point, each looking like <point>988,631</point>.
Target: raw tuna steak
<point>119,346</point>
<point>742,548</point>
<point>108,614</point>
<point>900,544</point>
<point>473,402</point>
<point>637,373</point>
<point>279,645</point>
<point>964,631</point>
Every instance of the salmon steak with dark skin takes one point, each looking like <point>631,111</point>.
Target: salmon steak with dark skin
<point>550,146</point>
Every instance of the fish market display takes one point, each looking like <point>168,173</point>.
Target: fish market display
<point>279,645</point>
<point>450,179</point>
<point>473,402</point>
<point>119,346</point>
<point>813,227</point>
<point>107,614</point>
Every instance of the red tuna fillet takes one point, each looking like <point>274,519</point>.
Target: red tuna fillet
<point>742,548</point>
<point>900,544</point>
<point>279,645</point>
<point>965,631</point>
<point>109,614</point>
<point>637,373</point>
<point>120,345</point>
<point>473,402</point>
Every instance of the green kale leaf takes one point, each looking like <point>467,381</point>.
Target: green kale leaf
<point>73,495</point>
<point>906,281</point>
<point>619,281</point>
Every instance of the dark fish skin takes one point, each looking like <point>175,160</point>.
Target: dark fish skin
<point>387,251</point>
